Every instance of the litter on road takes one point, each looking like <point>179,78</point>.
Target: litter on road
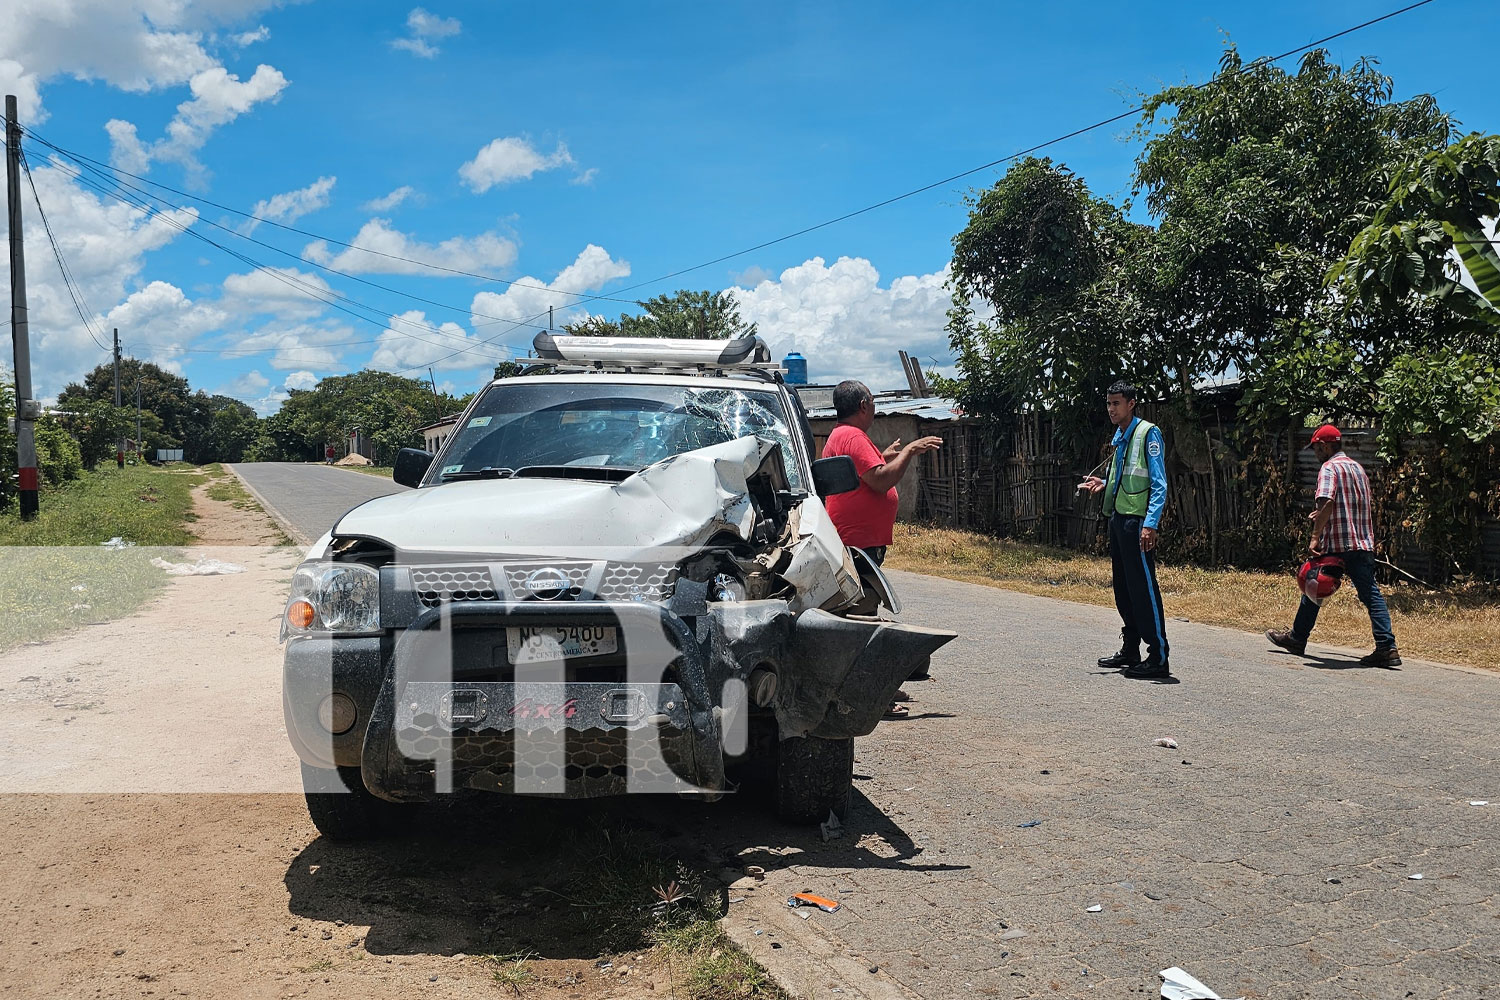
<point>203,567</point>
<point>808,899</point>
<point>1030,823</point>
<point>1479,802</point>
<point>1179,985</point>
<point>1095,908</point>
<point>1165,741</point>
<point>831,828</point>
<point>1417,877</point>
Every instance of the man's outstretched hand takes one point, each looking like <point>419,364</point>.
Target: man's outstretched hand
<point>1091,483</point>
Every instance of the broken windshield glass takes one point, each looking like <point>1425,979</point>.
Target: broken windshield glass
<point>614,425</point>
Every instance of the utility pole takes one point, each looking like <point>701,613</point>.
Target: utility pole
<point>138,455</point>
<point>549,319</point>
<point>437,402</point>
<point>27,409</point>
<point>120,441</point>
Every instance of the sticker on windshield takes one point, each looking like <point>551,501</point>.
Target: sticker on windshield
<point>450,469</point>
<point>479,422</point>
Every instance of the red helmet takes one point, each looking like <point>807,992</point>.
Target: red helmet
<point>1319,578</point>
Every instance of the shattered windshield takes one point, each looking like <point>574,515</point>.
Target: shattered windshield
<point>608,426</point>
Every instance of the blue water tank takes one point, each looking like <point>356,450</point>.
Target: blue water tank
<point>796,368</point>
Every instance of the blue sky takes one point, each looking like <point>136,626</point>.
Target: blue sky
<point>580,150</point>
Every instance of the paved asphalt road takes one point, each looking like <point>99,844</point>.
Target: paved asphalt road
<point>1272,854</point>
<point>311,498</point>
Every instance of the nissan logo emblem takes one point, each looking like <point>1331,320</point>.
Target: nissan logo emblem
<point>548,583</point>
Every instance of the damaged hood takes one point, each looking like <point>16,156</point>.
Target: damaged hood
<point>682,501</point>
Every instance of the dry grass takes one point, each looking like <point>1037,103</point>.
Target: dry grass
<point>1458,626</point>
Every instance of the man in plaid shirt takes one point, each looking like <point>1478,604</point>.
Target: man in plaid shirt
<point>1342,527</point>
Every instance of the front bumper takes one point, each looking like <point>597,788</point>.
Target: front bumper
<point>433,714</point>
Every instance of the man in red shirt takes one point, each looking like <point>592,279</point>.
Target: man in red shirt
<point>1343,527</point>
<point>866,515</point>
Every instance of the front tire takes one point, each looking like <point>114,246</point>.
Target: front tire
<point>342,808</point>
<point>814,777</point>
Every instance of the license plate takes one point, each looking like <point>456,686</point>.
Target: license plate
<point>545,643</point>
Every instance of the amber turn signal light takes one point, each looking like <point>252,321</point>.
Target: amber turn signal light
<point>300,614</point>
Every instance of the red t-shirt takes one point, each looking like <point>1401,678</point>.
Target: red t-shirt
<point>863,516</point>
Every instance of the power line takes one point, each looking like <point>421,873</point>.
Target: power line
<point>286,253</point>
<point>76,294</point>
<point>151,211</point>
<point>1265,60</point>
<point>311,235</point>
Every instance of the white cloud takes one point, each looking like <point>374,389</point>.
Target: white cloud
<point>248,385</point>
<point>135,45</point>
<point>289,206</point>
<point>300,346</point>
<point>846,324</point>
<point>301,380</point>
<point>412,340</point>
<point>510,159</point>
<point>219,97</point>
<point>390,201</point>
<point>105,244</point>
<point>529,297</point>
<point>587,177</point>
<point>487,251</point>
<point>283,292</point>
<point>424,26</point>
<point>159,320</point>
<point>248,38</point>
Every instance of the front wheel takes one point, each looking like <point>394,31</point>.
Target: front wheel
<point>813,778</point>
<point>342,808</point>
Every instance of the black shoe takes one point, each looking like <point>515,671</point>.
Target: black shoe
<point>1149,669</point>
<point>1124,658</point>
<point>1286,642</point>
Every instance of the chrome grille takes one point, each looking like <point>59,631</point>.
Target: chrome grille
<point>516,574</point>
<point>439,585</point>
<point>637,582</point>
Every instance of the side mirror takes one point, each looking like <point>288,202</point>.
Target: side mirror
<point>411,466</point>
<point>835,475</point>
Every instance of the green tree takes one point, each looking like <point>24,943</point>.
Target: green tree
<point>684,314</point>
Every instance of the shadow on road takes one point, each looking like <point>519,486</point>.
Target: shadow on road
<point>1334,663</point>
<point>484,874</point>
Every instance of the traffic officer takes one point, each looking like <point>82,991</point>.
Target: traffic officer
<point>1135,494</point>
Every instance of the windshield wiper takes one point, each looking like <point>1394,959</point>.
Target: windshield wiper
<point>604,473</point>
<point>488,472</point>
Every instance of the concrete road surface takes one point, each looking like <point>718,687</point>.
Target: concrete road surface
<point>309,499</point>
<point>1273,854</point>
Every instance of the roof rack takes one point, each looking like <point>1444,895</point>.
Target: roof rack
<point>653,353</point>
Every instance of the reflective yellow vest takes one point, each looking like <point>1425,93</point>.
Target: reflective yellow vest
<point>1132,494</point>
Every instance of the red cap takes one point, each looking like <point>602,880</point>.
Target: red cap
<point>1328,433</point>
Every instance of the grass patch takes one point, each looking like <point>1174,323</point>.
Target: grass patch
<point>54,574</point>
<point>140,503</point>
<point>379,471</point>
<point>1461,625</point>
<point>513,971</point>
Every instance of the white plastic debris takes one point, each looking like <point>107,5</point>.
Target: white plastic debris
<point>1417,877</point>
<point>831,827</point>
<point>1165,741</point>
<point>116,543</point>
<point>78,588</point>
<point>1179,985</point>
<point>203,567</point>
<point>1095,908</point>
<point>1479,802</point>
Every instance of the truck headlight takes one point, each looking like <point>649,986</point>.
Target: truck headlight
<point>333,597</point>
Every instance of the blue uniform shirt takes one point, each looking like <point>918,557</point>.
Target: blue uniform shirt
<point>1156,466</point>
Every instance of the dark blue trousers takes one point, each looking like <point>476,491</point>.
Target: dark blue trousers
<point>1360,568</point>
<point>1137,596</point>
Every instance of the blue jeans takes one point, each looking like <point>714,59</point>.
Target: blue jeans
<point>1359,567</point>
